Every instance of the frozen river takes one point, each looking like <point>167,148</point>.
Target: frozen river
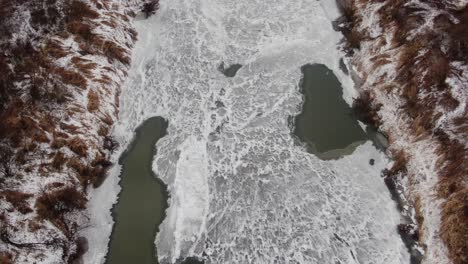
<point>242,190</point>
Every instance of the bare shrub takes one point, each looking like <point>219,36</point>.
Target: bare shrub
<point>150,8</point>
<point>6,258</point>
<point>365,110</point>
<point>100,165</point>
<point>110,143</point>
<point>6,163</point>
<point>53,206</point>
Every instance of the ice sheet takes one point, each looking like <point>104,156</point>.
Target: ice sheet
<point>241,190</point>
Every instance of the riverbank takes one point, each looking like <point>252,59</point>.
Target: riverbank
<point>61,68</point>
<point>411,60</point>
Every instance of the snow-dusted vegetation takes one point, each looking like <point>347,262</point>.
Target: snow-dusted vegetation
<point>412,60</point>
<point>61,66</point>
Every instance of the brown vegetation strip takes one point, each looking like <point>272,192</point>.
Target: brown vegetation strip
<point>41,123</point>
<point>424,64</point>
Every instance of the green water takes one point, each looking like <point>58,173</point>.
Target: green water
<point>230,71</point>
<point>142,201</point>
<point>327,123</point>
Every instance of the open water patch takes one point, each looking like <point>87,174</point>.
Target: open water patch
<point>326,124</point>
<point>231,70</point>
<point>142,201</point>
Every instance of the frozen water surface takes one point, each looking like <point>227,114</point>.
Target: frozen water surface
<point>241,190</point>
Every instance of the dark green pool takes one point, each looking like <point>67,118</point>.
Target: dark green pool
<point>327,123</point>
<point>142,202</point>
<point>230,71</point>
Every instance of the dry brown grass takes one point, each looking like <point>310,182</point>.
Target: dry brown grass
<point>53,205</point>
<point>59,160</point>
<point>54,49</point>
<point>79,146</point>
<point>424,64</point>
<point>6,258</point>
<point>58,143</point>
<point>103,131</point>
<point>454,228</point>
<point>93,101</point>
<point>90,174</point>
<point>79,167</point>
<point>71,77</point>
<point>72,129</point>
<point>18,200</point>
<point>107,119</point>
<point>113,51</point>
<point>29,115</point>
<point>400,161</point>
<point>86,68</point>
<point>40,136</point>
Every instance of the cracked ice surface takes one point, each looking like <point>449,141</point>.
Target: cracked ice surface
<point>241,190</point>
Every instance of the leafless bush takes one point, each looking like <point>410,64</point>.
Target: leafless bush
<point>6,163</point>
<point>150,8</point>
<point>110,143</point>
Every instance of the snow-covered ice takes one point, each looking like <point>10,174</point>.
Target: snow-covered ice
<point>241,190</point>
